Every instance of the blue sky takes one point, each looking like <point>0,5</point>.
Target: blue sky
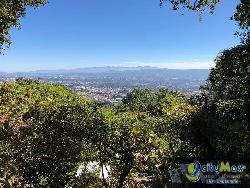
<point>83,33</point>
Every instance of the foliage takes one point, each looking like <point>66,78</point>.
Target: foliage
<point>232,69</point>
<point>47,131</point>
<point>10,13</point>
<point>171,111</point>
<point>227,94</point>
<point>141,137</point>
<point>242,16</point>
<point>145,134</point>
<point>132,143</point>
<point>195,5</point>
<point>42,128</point>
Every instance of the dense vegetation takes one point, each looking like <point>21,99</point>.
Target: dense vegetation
<point>47,131</point>
<point>41,132</point>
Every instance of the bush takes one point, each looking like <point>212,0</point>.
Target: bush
<point>42,131</point>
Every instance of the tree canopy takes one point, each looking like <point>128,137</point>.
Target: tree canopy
<point>47,131</point>
<point>228,101</point>
<point>42,128</point>
<point>144,133</point>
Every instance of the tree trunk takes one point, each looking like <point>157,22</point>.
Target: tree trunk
<point>128,164</point>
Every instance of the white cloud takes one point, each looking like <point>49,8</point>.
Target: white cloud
<point>174,65</point>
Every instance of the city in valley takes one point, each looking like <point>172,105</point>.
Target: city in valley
<point>110,84</point>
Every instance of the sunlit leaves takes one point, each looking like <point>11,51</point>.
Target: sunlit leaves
<point>42,130</point>
<point>151,125</point>
<point>10,13</point>
<point>197,5</point>
<point>227,95</point>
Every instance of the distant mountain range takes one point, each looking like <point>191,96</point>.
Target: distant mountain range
<point>106,69</point>
<point>92,69</point>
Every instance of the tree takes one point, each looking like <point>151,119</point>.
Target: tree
<point>230,78</point>
<point>242,16</point>
<point>227,93</point>
<point>142,137</point>
<point>132,146</point>
<point>42,133</point>
<point>151,128</point>
<point>10,13</point>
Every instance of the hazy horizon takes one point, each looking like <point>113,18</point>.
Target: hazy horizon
<point>178,66</point>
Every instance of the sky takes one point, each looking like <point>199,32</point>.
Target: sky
<point>68,34</point>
